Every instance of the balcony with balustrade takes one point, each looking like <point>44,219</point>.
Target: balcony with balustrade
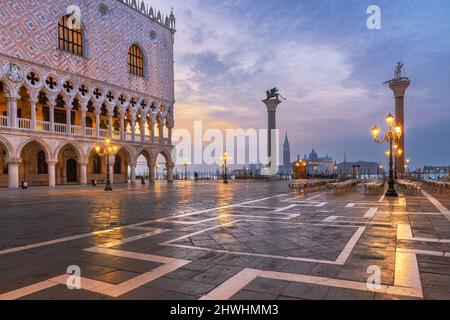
<point>64,130</point>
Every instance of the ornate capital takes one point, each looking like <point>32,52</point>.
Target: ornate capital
<point>13,161</point>
<point>52,162</point>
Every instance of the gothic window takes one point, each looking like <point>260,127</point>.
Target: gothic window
<point>70,38</point>
<point>136,61</point>
<point>118,165</point>
<point>97,164</point>
<point>42,166</point>
<point>89,122</point>
<point>104,110</point>
<point>90,107</point>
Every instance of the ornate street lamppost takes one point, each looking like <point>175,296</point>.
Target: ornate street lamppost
<point>392,136</point>
<point>108,150</point>
<point>225,159</point>
<point>185,163</point>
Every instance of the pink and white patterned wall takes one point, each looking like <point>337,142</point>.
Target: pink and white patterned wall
<point>29,29</point>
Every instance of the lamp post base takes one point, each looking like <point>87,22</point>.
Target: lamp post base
<point>108,188</point>
<point>392,193</point>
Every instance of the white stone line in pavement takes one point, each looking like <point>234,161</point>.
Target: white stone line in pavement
<point>192,223</point>
<point>322,204</point>
<point>25,291</point>
<point>249,254</point>
<point>426,240</point>
<point>256,207</point>
<point>424,252</point>
<point>112,290</point>
<point>286,208</point>
<point>404,231</point>
<point>371,213</point>
<point>138,228</point>
<point>214,209</point>
<point>406,280</point>
<point>232,286</point>
<point>85,235</point>
<point>342,258</point>
<point>383,196</point>
<point>287,217</point>
<point>442,209</point>
<point>407,271</point>
<point>115,243</point>
<point>402,201</point>
<point>356,223</point>
<point>320,223</point>
<point>330,219</point>
<point>411,213</point>
<point>56,241</point>
<point>406,267</point>
<point>201,231</point>
<point>350,205</point>
<point>315,197</point>
<point>131,255</point>
<point>350,246</point>
<point>303,203</point>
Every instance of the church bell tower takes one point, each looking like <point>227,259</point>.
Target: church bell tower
<point>286,152</point>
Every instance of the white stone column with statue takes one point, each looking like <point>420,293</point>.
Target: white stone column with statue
<point>272,102</point>
<point>398,85</point>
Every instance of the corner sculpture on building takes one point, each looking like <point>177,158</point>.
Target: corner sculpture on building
<point>64,90</point>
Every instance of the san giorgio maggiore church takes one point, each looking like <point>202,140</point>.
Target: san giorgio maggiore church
<point>325,165</point>
<point>314,163</point>
<point>65,89</point>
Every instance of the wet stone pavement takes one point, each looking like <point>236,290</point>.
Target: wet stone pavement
<point>207,240</point>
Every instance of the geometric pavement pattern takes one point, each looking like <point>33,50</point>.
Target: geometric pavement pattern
<point>274,246</point>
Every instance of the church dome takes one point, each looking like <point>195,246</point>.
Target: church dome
<point>313,156</point>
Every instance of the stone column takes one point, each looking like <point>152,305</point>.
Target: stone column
<point>97,123</point>
<point>51,173</point>
<point>33,103</point>
<point>12,109</point>
<point>133,173</point>
<point>110,125</point>
<point>133,129</point>
<point>83,174</point>
<point>13,173</point>
<point>170,168</point>
<point>271,105</point>
<point>399,88</point>
<point>51,109</point>
<point>161,133</point>
<point>122,128</point>
<point>153,132</point>
<point>69,120</point>
<point>152,173</point>
<point>83,122</point>
<point>142,123</point>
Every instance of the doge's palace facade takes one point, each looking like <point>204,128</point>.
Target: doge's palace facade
<point>74,73</point>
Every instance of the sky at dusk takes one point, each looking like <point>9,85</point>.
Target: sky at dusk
<point>325,61</point>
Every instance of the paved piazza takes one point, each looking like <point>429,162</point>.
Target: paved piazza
<point>207,240</point>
